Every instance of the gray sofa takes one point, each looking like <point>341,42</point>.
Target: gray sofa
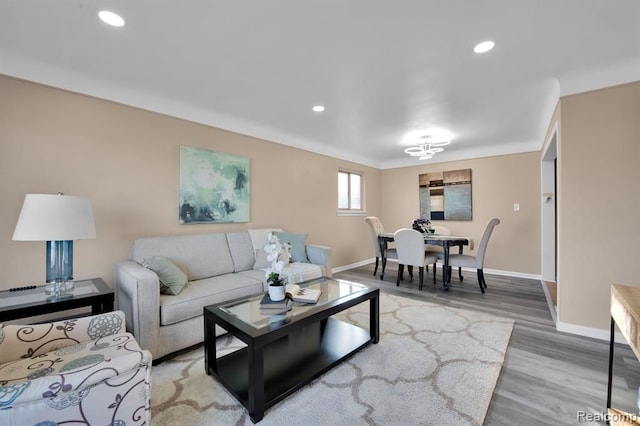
<point>218,266</point>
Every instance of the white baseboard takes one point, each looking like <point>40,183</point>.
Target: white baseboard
<point>505,273</point>
<point>352,265</point>
<point>511,273</point>
<point>552,307</point>
<point>487,271</point>
<point>595,333</point>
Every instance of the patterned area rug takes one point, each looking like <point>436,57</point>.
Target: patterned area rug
<point>434,365</point>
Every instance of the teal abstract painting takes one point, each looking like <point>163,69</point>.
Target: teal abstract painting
<point>214,187</point>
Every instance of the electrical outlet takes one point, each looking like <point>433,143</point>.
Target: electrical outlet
<point>516,207</point>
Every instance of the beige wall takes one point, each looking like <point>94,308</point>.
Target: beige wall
<point>497,183</point>
<point>127,161</point>
<point>599,201</point>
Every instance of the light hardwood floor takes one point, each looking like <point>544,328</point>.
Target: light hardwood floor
<point>548,377</point>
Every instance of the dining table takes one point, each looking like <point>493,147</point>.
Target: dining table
<point>445,241</point>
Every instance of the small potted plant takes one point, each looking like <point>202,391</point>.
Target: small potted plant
<point>278,254</point>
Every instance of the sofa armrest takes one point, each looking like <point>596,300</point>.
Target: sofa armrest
<point>25,341</point>
<point>138,295</point>
<point>320,255</point>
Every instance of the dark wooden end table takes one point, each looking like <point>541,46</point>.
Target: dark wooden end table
<point>28,303</point>
<point>285,352</point>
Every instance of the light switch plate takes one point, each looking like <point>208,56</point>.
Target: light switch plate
<point>516,207</point>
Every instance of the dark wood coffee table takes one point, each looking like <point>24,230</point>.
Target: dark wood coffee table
<point>285,352</point>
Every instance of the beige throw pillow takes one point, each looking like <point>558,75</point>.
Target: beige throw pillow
<point>172,279</point>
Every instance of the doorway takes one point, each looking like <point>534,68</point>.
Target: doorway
<point>549,222</point>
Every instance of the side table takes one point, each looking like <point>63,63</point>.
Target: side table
<point>625,312</point>
<point>27,303</point>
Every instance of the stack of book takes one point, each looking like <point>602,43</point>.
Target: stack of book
<point>268,306</point>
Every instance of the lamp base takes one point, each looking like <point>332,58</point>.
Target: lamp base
<point>59,257</point>
<point>56,288</point>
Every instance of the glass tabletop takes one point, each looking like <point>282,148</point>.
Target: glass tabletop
<point>248,310</point>
<point>11,299</point>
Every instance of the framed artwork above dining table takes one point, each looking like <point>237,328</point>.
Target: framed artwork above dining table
<point>445,195</point>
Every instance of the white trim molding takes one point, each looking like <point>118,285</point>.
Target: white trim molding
<point>352,265</point>
<point>488,271</point>
<point>595,333</point>
<point>507,273</point>
<point>352,213</point>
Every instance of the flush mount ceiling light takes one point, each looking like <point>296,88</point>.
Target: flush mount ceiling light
<point>318,108</point>
<point>484,47</point>
<point>428,146</point>
<point>111,18</point>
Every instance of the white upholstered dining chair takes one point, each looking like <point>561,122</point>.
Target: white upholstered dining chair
<point>376,228</point>
<point>411,252</point>
<point>477,261</point>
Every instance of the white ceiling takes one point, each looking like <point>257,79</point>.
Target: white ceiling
<point>384,69</point>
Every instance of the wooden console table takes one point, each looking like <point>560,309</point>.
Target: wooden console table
<point>625,312</point>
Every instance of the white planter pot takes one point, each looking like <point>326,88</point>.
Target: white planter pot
<point>276,292</point>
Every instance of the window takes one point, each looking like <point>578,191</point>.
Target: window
<point>349,191</point>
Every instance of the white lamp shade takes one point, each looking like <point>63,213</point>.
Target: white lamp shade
<point>46,217</point>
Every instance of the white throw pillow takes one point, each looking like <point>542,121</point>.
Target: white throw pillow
<point>261,260</point>
<point>259,236</point>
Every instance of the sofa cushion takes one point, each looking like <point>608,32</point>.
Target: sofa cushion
<point>295,272</point>
<point>257,275</point>
<point>298,250</point>
<point>241,249</point>
<point>172,279</point>
<point>199,255</point>
<point>208,291</point>
<point>298,272</point>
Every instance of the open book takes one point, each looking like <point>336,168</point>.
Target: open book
<point>302,294</point>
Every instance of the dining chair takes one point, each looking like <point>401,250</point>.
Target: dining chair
<point>477,261</point>
<point>411,252</point>
<point>376,228</point>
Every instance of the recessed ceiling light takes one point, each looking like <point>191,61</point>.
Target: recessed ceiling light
<point>111,18</point>
<point>318,108</point>
<point>483,47</point>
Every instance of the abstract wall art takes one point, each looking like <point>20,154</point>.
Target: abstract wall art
<point>445,195</point>
<point>214,187</point>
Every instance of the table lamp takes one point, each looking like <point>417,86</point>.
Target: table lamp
<point>58,220</point>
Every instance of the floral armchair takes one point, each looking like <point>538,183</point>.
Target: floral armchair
<point>78,371</point>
